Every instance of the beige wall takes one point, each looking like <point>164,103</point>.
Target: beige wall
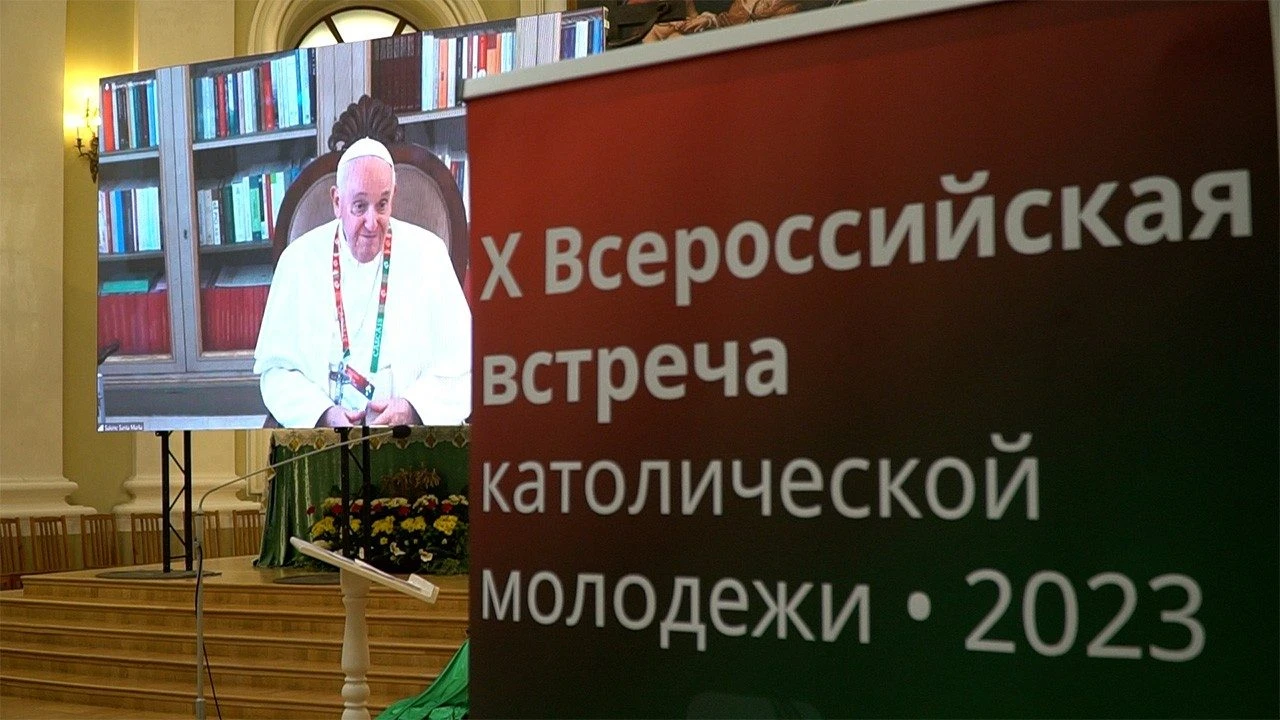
<point>110,37</point>
<point>31,238</point>
<point>100,42</point>
<point>180,32</point>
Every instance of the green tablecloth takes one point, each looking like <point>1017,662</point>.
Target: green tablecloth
<point>307,482</point>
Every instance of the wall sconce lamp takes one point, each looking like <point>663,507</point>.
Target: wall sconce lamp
<point>89,150</point>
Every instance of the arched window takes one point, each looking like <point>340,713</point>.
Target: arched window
<point>354,25</point>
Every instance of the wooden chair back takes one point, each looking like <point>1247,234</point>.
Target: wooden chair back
<point>12,561</point>
<point>247,531</point>
<point>146,531</point>
<point>100,541</point>
<point>212,546</point>
<point>49,544</point>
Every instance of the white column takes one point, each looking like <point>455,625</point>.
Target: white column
<point>212,464</point>
<point>33,38</point>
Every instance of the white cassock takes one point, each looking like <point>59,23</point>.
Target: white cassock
<point>426,340</point>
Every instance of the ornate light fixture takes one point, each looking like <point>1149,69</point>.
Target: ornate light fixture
<point>89,150</point>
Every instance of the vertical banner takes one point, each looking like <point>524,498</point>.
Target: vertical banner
<point>915,367</point>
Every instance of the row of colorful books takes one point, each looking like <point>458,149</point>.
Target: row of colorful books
<point>130,118</point>
<point>138,321</point>
<point>133,309</point>
<point>425,71</point>
<point>129,220</point>
<point>242,210</point>
<point>271,94</point>
<point>231,316</point>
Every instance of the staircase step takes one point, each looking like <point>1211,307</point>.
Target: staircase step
<point>265,621</point>
<point>408,655</point>
<point>181,593</point>
<point>31,708</point>
<point>274,650</point>
<point>148,670</point>
<point>179,698</point>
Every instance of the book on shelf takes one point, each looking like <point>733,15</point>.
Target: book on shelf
<point>138,321</point>
<point>398,59</point>
<point>125,285</point>
<point>252,96</point>
<point>582,33</point>
<point>129,220</point>
<point>244,275</point>
<point>426,71</point>
<point>129,114</point>
<point>243,209</point>
<point>231,315</point>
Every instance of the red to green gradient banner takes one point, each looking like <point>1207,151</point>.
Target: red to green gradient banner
<point>916,367</point>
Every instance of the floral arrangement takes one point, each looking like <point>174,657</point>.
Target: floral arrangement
<point>426,535</point>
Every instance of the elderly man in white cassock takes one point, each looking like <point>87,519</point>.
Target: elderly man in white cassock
<point>365,323</point>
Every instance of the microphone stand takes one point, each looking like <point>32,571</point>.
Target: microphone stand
<point>399,431</point>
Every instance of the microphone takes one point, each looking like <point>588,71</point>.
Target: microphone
<point>399,432</point>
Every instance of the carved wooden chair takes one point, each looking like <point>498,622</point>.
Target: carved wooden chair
<point>246,528</point>
<point>426,193</point>
<point>12,560</point>
<point>146,531</point>
<point>99,540</point>
<point>49,544</point>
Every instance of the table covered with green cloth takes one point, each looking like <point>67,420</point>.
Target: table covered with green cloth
<point>307,482</point>
<point>448,698</point>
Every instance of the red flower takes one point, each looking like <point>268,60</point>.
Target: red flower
<point>446,507</point>
<point>311,509</point>
<point>376,506</point>
<point>403,511</point>
<point>337,508</point>
<point>431,502</point>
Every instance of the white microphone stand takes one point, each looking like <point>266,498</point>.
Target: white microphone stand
<point>198,545</point>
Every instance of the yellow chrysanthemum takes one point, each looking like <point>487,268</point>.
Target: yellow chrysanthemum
<point>446,524</point>
<point>385,526</point>
<point>414,524</point>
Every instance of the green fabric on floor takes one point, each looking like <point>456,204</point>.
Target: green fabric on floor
<point>448,698</point>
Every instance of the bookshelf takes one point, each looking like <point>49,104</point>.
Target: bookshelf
<point>178,216</point>
<point>132,268</point>
<point>199,158</point>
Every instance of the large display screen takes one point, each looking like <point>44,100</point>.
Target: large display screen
<point>228,292</point>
